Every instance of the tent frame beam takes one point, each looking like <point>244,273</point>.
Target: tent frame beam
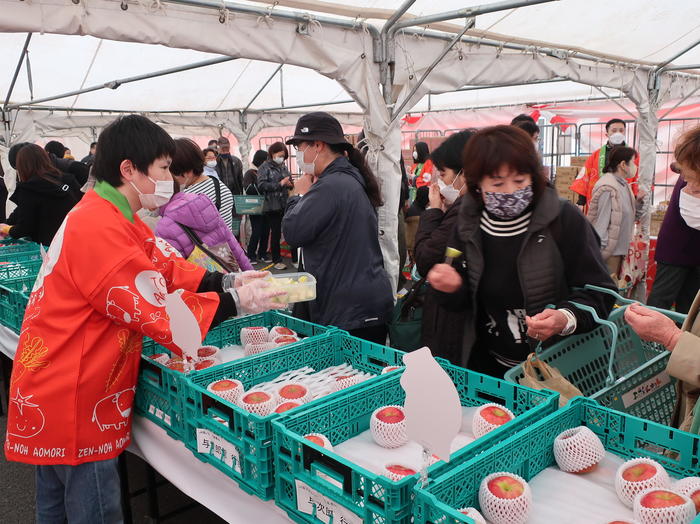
<point>663,65</point>
<point>262,88</point>
<point>114,84</point>
<point>22,55</point>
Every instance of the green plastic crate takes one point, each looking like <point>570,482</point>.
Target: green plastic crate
<point>371,497</point>
<point>10,247</point>
<point>251,435</point>
<point>160,398</point>
<point>12,306</point>
<point>529,452</point>
<point>640,385</point>
<point>249,204</point>
<point>19,275</point>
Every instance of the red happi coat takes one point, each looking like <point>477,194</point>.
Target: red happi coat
<point>100,290</point>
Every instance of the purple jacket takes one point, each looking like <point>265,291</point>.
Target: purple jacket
<point>199,213</point>
<point>678,243</point>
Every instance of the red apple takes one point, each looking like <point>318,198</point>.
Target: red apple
<point>505,487</point>
<point>695,497</point>
<point>391,415</point>
<point>224,385</point>
<point>315,439</point>
<point>639,472</point>
<point>389,369</point>
<point>286,407</point>
<point>206,351</point>
<point>256,397</point>
<point>204,364</point>
<point>293,391</point>
<point>661,498</point>
<point>157,356</point>
<point>495,415</point>
<point>176,364</point>
<point>400,470</point>
<point>285,339</point>
<point>283,330</point>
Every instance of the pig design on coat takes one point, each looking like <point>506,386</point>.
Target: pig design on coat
<point>113,411</point>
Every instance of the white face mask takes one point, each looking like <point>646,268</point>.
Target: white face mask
<point>306,168</point>
<point>450,193</point>
<point>160,196</point>
<point>616,139</point>
<point>415,156</point>
<point>279,160</point>
<point>690,209</point>
<point>211,163</point>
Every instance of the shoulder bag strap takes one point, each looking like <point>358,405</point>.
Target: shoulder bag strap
<point>197,242</point>
<point>217,189</point>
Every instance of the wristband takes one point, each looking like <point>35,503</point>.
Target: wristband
<point>571,323</point>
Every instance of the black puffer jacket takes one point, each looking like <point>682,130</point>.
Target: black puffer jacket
<point>270,174</point>
<point>335,225</point>
<point>41,207</point>
<point>559,255</point>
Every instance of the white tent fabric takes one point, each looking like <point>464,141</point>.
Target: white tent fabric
<point>597,43</point>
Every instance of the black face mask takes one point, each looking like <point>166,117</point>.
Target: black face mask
<point>224,155</point>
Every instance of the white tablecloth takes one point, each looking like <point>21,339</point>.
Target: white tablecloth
<point>203,482</point>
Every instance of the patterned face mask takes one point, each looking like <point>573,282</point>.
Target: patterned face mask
<point>508,205</point>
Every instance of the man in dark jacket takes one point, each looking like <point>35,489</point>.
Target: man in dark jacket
<point>56,150</point>
<point>677,259</point>
<point>229,167</point>
<point>90,158</point>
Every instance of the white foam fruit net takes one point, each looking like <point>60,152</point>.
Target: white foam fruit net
<point>473,514</point>
<point>326,442</point>
<point>505,511</point>
<point>261,408</point>
<point>280,331</point>
<point>480,426</point>
<point>232,394</point>
<point>577,449</point>
<point>306,397</point>
<point>386,434</point>
<point>254,335</point>
<point>687,486</point>
<point>680,514</point>
<point>254,349</point>
<point>628,490</point>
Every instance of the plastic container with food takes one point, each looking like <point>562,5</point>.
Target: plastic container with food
<point>299,287</point>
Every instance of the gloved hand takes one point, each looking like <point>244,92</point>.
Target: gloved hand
<point>256,297</point>
<point>236,280</point>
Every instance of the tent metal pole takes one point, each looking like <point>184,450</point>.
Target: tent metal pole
<point>282,87</point>
<point>396,112</point>
<point>278,70</point>
<point>491,86</point>
<point>114,84</point>
<point>301,106</point>
<point>468,12</point>
<point>686,97</point>
<point>662,66</point>
<point>499,106</point>
<point>387,41</point>
<point>681,67</point>
<point>17,69</point>
<point>617,103</point>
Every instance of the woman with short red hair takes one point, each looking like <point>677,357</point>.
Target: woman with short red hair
<point>524,250</point>
<point>43,195</point>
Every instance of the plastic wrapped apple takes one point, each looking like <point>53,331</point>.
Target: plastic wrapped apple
<point>258,401</point>
<point>389,369</point>
<point>176,364</point>
<point>505,498</point>
<point>473,514</point>
<point>254,335</point>
<point>283,340</point>
<point>489,417</point>
<point>160,357</point>
<point>227,388</point>
<point>398,472</point>
<point>255,349</point>
<point>204,364</point>
<point>293,391</point>
<point>690,487</point>
<point>286,406</point>
<point>578,450</point>
<point>320,440</point>
<point>637,475</point>
<point>281,331</point>
<point>663,506</point>
<point>388,426</point>
<point>346,381</point>
<point>209,353</point>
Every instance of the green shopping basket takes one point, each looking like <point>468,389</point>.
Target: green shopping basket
<point>612,365</point>
<point>249,204</point>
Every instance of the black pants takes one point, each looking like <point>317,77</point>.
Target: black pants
<point>376,334</point>
<point>260,232</point>
<point>485,363</point>
<point>274,220</point>
<point>674,285</point>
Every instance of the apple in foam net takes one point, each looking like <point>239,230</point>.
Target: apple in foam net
<point>204,364</point>
<point>495,415</point>
<point>505,487</point>
<point>398,469</point>
<point>283,331</point>
<point>391,415</point>
<point>661,498</point>
<point>286,407</point>
<point>257,397</point>
<point>639,472</point>
<point>224,385</point>
<point>293,391</point>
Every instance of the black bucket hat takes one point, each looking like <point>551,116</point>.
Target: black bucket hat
<point>319,126</point>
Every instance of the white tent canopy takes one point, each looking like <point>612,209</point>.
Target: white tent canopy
<point>341,56</point>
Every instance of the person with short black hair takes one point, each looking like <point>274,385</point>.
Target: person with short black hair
<point>106,282</point>
<point>613,208</point>
<point>43,196</point>
<point>188,169</point>
<point>229,167</point>
<point>90,158</point>
<point>332,217</point>
<point>422,171</point>
<point>56,151</point>
<point>522,117</point>
<point>592,170</point>
<point>213,144</point>
<point>530,127</point>
<point>523,249</point>
<point>260,230</point>
<point>274,182</point>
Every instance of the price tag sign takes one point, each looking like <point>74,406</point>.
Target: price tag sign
<point>309,499</point>
<point>647,388</point>
<point>215,445</point>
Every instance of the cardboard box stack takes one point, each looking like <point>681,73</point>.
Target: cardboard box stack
<point>657,218</point>
<point>578,161</point>
<point>564,177</point>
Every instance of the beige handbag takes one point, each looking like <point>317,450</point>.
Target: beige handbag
<point>537,374</point>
